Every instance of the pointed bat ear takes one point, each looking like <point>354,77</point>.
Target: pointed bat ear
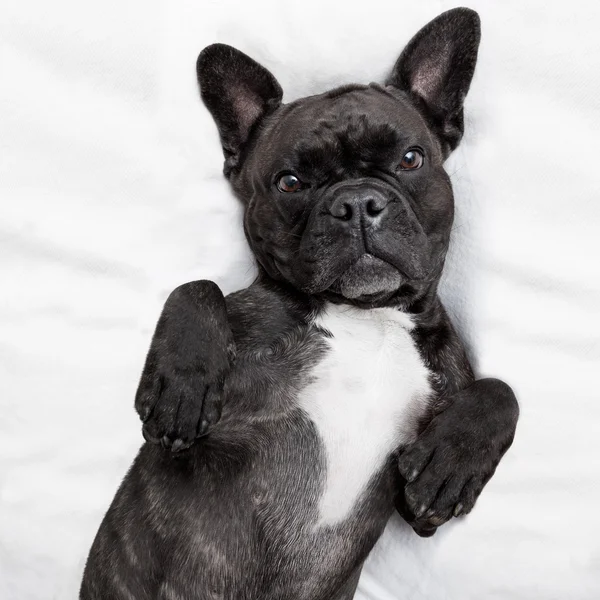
<point>436,69</point>
<point>238,92</point>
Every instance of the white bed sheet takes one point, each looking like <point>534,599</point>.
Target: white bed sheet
<point>111,195</point>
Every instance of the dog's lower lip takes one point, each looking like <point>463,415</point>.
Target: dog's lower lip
<point>369,276</point>
<point>376,297</point>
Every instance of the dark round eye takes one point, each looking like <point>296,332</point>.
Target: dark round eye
<point>413,159</point>
<point>289,183</point>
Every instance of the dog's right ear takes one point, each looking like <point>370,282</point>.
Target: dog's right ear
<point>436,69</point>
<point>238,92</point>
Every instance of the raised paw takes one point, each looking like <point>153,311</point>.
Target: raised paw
<point>176,410</point>
<point>181,389</point>
<point>439,486</point>
<point>447,467</point>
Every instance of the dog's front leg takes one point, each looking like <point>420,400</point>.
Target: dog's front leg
<point>447,467</point>
<point>179,395</point>
<point>470,427</point>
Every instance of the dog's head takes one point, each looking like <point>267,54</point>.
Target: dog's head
<point>345,193</point>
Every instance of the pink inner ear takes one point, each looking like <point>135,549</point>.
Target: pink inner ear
<point>431,74</point>
<point>247,107</point>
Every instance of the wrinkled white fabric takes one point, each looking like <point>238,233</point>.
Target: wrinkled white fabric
<point>111,195</point>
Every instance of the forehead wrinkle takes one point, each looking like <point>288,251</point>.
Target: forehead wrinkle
<point>362,133</point>
<point>353,137</point>
<point>322,144</point>
<point>349,127</point>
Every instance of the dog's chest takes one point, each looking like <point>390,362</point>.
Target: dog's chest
<point>365,398</point>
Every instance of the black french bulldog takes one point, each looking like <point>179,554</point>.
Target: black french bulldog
<point>303,409</point>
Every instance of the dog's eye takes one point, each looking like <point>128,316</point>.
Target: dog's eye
<point>289,183</point>
<point>413,159</point>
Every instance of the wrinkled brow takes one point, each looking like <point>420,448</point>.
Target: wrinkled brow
<point>350,140</point>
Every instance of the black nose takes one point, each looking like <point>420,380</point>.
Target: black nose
<point>356,207</point>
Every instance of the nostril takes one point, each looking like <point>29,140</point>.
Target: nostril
<point>373,208</point>
<point>342,211</point>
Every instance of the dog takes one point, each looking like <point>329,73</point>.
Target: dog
<point>286,422</point>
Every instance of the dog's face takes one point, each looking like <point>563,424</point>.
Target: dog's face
<point>343,199</point>
<point>345,193</point>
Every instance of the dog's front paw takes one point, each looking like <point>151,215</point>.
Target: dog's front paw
<point>444,476</point>
<point>176,409</point>
<point>180,393</point>
<point>449,464</point>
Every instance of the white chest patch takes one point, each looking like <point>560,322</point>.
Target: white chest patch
<point>366,397</point>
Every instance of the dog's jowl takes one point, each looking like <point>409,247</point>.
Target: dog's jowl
<point>286,422</point>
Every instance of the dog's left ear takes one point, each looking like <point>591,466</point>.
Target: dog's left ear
<point>436,69</point>
<point>239,93</point>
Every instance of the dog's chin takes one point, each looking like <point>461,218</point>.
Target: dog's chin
<point>368,278</point>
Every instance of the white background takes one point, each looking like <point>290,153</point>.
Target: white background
<point>111,195</point>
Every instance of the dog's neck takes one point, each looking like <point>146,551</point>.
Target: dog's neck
<point>425,308</point>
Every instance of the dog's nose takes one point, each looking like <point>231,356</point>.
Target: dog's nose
<point>356,208</point>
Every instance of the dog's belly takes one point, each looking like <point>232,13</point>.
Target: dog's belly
<point>277,518</point>
<point>365,398</point>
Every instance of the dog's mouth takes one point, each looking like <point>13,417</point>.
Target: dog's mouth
<point>368,278</point>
